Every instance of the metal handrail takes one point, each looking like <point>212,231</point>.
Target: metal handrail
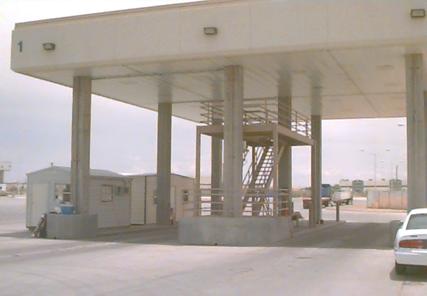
<point>272,203</point>
<point>259,111</point>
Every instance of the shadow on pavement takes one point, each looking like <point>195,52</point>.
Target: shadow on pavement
<point>412,276</point>
<point>17,234</point>
<point>346,235</point>
<point>343,235</point>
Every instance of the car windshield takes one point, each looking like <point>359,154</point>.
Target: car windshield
<point>418,221</point>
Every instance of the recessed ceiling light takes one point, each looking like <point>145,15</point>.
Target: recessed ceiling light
<point>418,13</point>
<point>210,31</point>
<point>49,46</point>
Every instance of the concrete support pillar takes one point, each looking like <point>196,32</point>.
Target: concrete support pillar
<point>233,140</point>
<point>285,162</point>
<point>216,174</point>
<point>285,172</point>
<point>316,168</point>
<point>197,192</point>
<point>164,133</point>
<point>277,197</point>
<point>80,143</point>
<point>416,114</point>
<point>285,168</point>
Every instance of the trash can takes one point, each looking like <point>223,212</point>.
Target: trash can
<point>67,209</point>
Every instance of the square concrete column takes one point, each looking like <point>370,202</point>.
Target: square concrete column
<point>233,140</point>
<point>285,162</point>
<point>164,133</point>
<point>216,174</point>
<point>316,168</point>
<point>416,116</point>
<point>80,143</point>
<point>216,148</point>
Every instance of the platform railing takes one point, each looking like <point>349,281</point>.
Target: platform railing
<point>259,111</point>
<point>262,202</point>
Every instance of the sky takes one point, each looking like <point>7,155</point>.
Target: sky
<point>35,120</point>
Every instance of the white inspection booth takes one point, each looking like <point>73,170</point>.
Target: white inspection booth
<point>109,195</point>
<point>144,198</point>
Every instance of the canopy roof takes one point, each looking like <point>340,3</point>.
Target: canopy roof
<point>341,59</point>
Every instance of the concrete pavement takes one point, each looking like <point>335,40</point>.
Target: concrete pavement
<point>349,259</point>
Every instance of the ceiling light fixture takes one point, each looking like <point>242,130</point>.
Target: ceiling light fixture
<point>418,13</point>
<point>210,31</point>
<point>49,46</point>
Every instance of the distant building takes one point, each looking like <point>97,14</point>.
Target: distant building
<point>395,184</point>
<point>18,188</point>
<point>345,183</point>
<point>358,186</point>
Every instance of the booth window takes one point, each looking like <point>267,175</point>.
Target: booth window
<point>107,193</point>
<point>121,190</point>
<point>63,192</point>
<point>155,197</point>
<point>185,195</point>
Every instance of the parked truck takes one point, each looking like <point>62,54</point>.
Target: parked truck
<point>343,196</point>
<point>325,194</point>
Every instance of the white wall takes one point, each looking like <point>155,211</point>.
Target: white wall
<point>178,184</point>
<point>137,199</point>
<point>41,193</point>
<point>41,198</point>
<point>112,213</point>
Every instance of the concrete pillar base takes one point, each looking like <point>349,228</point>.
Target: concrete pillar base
<point>71,226</point>
<point>233,231</point>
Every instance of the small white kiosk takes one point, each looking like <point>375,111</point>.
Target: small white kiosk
<point>144,198</point>
<point>109,195</point>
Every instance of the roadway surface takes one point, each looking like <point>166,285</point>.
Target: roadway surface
<point>352,258</point>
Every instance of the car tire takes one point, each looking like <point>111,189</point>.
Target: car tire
<point>399,268</point>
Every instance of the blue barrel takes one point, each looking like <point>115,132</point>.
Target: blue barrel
<point>67,209</point>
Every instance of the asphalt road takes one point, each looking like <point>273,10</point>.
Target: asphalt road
<point>352,258</point>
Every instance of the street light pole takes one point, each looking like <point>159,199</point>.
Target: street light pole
<point>375,166</point>
<point>375,171</point>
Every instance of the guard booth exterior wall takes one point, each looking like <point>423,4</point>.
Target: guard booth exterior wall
<point>143,205</point>
<point>109,195</point>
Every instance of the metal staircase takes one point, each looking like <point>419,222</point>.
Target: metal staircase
<point>257,181</point>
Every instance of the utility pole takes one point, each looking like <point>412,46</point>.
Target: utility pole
<point>375,171</point>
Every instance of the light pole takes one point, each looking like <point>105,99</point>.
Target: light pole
<point>375,167</point>
<point>391,163</point>
<point>404,157</point>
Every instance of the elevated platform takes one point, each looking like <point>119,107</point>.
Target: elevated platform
<point>260,134</point>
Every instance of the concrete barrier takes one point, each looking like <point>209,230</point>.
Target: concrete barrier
<point>71,226</point>
<point>233,231</point>
<point>397,200</point>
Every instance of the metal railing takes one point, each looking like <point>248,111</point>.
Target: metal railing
<point>250,173</point>
<point>259,111</point>
<point>261,202</point>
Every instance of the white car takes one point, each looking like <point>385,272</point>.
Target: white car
<point>410,245</point>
